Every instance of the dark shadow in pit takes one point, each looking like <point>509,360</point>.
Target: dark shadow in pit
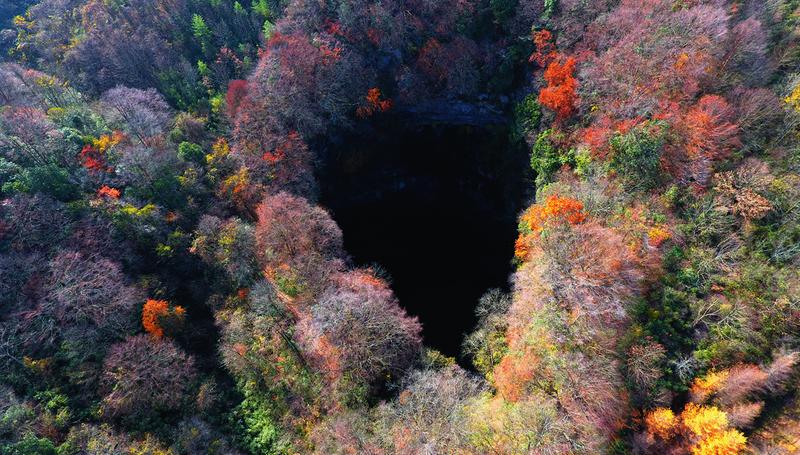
<point>435,206</point>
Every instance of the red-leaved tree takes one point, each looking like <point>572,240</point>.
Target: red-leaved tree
<point>560,95</point>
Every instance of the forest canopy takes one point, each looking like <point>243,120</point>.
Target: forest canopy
<point>170,282</point>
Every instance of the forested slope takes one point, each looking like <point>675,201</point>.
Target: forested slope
<point>169,283</point>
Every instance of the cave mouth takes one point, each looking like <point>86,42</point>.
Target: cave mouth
<point>434,207</point>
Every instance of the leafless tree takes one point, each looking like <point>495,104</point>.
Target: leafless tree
<point>144,374</point>
<point>359,322</point>
<point>142,113</point>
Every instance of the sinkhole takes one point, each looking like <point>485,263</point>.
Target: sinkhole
<point>434,207</point>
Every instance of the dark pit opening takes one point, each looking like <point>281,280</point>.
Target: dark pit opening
<point>435,207</point>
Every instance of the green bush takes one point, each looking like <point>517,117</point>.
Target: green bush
<point>29,445</point>
<point>549,8</point>
<point>547,158</point>
<point>189,151</point>
<point>253,422</point>
<point>527,115</point>
<point>50,179</point>
<point>636,157</point>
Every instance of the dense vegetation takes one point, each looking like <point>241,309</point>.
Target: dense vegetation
<point>170,285</point>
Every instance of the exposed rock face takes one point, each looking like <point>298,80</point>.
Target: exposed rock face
<point>452,113</point>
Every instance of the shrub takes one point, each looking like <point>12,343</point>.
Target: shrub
<point>189,151</point>
<point>636,157</point>
<point>560,94</point>
<point>527,114</point>
<point>29,444</point>
<point>547,156</point>
<point>255,428</point>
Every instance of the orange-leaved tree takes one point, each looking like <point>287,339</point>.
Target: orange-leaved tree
<point>703,430</point>
<point>560,94</point>
<point>545,48</point>
<point>158,315</point>
<point>554,211</point>
<point>374,103</point>
<point>107,191</point>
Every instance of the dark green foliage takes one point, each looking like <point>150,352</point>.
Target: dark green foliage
<point>8,175</point>
<point>51,180</point>
<point>527,115</point>
<point>502,10</point>
<point>513,61</point>
<point>29,445</point>
<point>549,8</point>
<point>777,235</point>
<point>636,157</point>
<point>181,90</point>
<point>261,7</point>
<point>166,190</point>
<point>199,27</point>
<point>664,315</point>
<point>189,151</point>
<point>140,45</point>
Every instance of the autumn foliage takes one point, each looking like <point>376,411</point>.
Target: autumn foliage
<point>159,158</point>
<point>560,94</point>
<point>705,430</point>
<point>556,210</point>
<point>512,374</point>
<point>374,104</point>
<point>158,315</point>
<point>722,403</point>
<point>236,95</point>
<point>545,48</point>
<point>107,191</point>
<point>709,133</point>
<point>92,159</point>
<point>661,422</point>
<point>298,245</point>
<point>358,327</point>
